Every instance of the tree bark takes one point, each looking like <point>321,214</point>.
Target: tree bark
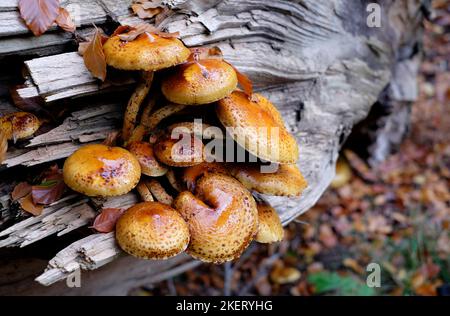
<point>318,61</point>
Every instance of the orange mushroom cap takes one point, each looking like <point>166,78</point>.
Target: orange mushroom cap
<point>99,170</point>
<point>269,224</point>
<point>222,218</point>
<point>19,125</point>
<point>143,151</point>
<point>258,127</point>
<point>179,152</point>
<point>145,54</point>
<point>193,173</point>
<point>202,82</point>
<point>152,230</point>
<point>287,180</point>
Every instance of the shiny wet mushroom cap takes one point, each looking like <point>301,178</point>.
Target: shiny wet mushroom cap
<point>152,230</point>
<point>269,225</point>
<point>222,218</point>
<point>179,152</point>
<point>257,126</point>
<point>284,180</point>
<point>145,53</point>
<point>99,170</point>
<point>19,125</point>
<point>202,82</point>
<point>143,151</point>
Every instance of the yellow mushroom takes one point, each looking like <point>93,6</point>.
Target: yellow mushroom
<point>222,218</point>
<point>270,229</point>
<point>200,82</point>
<point>99,170</point>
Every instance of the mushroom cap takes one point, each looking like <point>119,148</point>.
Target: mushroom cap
<point>19,125</point>
<point>144,54</point>
<point>257,126</point>
<point>193,173</point>
<point>143,151</point>
<point>222,218</point>
<point>269,228</point>
<point>287,180</point>
<point>202,82</point>
<point>184,152</point>
<point>152,230</point>
<point>99,170</point>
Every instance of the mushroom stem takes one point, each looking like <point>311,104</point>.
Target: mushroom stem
<point>163,113</point>
<point>171,177</point>
<point>134,104</point>
<point>142,129</point>
<point>144,192</point>
<point>159,193</point>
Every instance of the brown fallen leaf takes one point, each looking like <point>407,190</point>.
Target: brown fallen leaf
<point>65,21</point>
<point>27,205</point>
<point>21,190</point>
<point>360,166</point>
<point>39,15</point>
<point>94,57</point>
<point>145,13</point>
<point>144,28</point>
<point>51,188</point>
<point>105,222</point>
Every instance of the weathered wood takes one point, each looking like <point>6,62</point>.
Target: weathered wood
<point>316,60</point>
<point>83,12</point>
<point>91,124</point>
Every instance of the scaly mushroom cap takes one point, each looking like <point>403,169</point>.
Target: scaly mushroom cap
<point>258,127</point>
<point>99,170</point>
<point>19,125</point>
<point>192,174</point>
<point>287,180</point>
<point>222,218</point>
<point>144,54</point>
<point>184,152</point>
<point>205,81</point>
<point>143,151</point>
<point>152,230</point>
<point>269,224</point>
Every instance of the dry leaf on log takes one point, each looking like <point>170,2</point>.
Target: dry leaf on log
<point>39,15</point>
<point>64,21</point>
<point>28,205</point>
<point>21,190</point>
<point>105,222</point>
<point>94,57</point>
<point>51,188</point>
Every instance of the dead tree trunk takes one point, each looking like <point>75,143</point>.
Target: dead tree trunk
<point>318,61</point>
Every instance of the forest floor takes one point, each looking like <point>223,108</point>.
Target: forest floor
<point>396,215</point>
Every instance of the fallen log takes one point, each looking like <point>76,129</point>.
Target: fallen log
<point>323,67</point>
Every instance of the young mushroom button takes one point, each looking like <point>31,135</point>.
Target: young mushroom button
<point>258,127</point>
<point>19,125</point>
<point>222,218</point>
<point>99,170</point>
<point>201,82</point>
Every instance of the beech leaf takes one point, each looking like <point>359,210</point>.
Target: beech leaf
<point>20,190</point>
<point>94,58</point>
<point>39,15</point>
<point>105,222</point>
<point>28,205</point>
<point>64,21</point>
